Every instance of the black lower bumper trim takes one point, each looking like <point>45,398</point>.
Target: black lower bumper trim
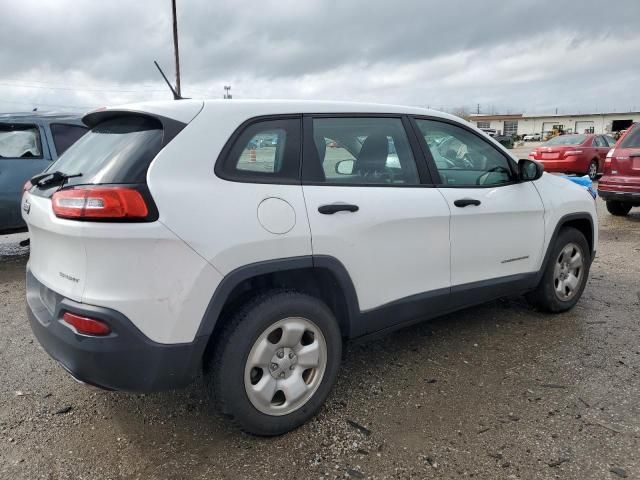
<point>126,359</point>
<point>626,197</point>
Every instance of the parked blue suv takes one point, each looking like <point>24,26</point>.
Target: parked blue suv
<point>29,142</point>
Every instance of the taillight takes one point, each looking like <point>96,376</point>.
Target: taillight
<point>99,203</point>
<point>86,325</point>
<point>608,161</point>
<point>27,186</point>
<point>568,153</point>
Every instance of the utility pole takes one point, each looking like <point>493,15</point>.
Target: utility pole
<point>478,109</point>
<point>175,46</point>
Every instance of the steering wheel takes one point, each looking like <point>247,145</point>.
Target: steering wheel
<point>483,178</point>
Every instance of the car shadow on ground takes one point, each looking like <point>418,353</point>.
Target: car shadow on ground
<point>427,352</point>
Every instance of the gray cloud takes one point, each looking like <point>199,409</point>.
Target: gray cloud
<point>573,55</point>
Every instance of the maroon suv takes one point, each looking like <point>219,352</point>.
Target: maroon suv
<point>620,185</point>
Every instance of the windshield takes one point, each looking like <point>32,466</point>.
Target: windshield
<point>566,140</point>
<point>19,141</point>
<point>114,151</point>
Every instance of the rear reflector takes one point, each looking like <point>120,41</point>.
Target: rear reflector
<point>99,203</point>
<point>86,326</point>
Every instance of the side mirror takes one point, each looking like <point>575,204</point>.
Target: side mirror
<point>529,170</point>
<point>345,167</point>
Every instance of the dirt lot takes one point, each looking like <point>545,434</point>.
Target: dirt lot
<point>498,391</point>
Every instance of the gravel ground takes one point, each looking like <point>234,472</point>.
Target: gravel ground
<point>497,391</point>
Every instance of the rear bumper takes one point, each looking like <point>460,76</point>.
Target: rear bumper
<point>567,165</point>
<point>626,197</point>
<point>123,360</point>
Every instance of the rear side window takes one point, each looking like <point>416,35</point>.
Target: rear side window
<point>600,142</point>
<point>632,139</point>
<point>20,141</point>
<point>118,150</point>
<point>65,135</point>
<point>266,151</point>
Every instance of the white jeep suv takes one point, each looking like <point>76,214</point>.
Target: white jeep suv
<point>248,239</point>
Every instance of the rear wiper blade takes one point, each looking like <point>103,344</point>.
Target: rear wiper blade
<point>52,178</point>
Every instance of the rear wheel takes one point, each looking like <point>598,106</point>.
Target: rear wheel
<point>619,209</point>
<point>565,274</point>
<point>275,362</point>
<point>593,170</point>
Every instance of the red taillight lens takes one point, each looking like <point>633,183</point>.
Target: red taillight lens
<point>85,325</point>
<point>99,203</point>
<point>27,186</point>
<point>570,153</point>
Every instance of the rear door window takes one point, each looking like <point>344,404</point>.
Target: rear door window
<point>361,151</point>
<point>20,141</point>
<point>118,150</point>
<point>65,135</point>
<point>600,141</point>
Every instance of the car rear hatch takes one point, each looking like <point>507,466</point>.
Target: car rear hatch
<point>622,166</point>
<point>101,179</point>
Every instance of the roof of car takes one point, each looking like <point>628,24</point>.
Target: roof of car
<point>183,109</point>
<point>34,116</point>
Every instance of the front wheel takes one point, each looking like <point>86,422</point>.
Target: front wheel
<point>619,209</point>
<point>565,274</point>
<point>275,362</point>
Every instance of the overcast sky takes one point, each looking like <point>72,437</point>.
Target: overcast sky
<point>505,55</point>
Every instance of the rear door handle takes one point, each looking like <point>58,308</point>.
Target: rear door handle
<point>464,202</point>
<point>337,207</point>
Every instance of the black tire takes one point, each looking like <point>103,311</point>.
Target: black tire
<point>226,368</point>
<point>592,170</point>
<point>544,297</point>
<point>619,209</point>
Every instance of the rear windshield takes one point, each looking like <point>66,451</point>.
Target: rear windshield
<point>567,140</point>
<point>632,139</point>
<point>19,141</point>
<point>118,150</point>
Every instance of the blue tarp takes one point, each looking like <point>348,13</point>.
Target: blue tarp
<point>585,182</point>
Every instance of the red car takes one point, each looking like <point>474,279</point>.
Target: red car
<point>620,185</point>
<point>583,154</point>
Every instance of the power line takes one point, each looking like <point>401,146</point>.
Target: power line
<point>39,104</point>
<point>77,88</point>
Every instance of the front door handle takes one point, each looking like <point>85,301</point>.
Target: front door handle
<point>337,207</point>
<point>465,202</point>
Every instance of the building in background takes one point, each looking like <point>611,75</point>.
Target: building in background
<point>523,124</point>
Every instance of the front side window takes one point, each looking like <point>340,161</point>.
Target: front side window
<point>266,150</point>
<point>367,150</point>
<point>20,141</point>
<point>462,158</point>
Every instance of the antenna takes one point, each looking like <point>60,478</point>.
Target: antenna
<point>176,95</point>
